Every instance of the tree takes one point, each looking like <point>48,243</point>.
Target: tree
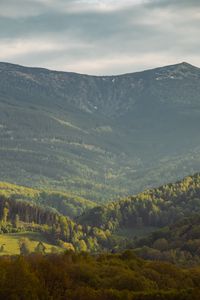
<point>66,246</point>
<point>40,248</point>
<point>2,248</point>
<point>81,246</point>
<point>161,244</point>
<point>16,221</point>
<point>5,215</point>
<point>24,246</point>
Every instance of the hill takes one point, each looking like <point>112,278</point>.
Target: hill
<point>132,222</point>
<point>22,217</point>
<point>155,207</point>
<point>160,224</point>
<point>178,243</point>
<point>65,203</point>
<point>88,134</point>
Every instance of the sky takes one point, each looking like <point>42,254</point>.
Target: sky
<point>100,37</point>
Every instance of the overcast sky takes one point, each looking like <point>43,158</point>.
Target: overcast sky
<point>100,36</point>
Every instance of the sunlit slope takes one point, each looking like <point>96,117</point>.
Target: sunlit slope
<point>66,203</point>
<point>11,242</point>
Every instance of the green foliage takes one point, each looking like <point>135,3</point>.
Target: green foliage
<point>103,277</point>
<point>10,242</point>
<point>40,248</point>
<point>21,216</point>
<point>65,203</point>
<point>24,246</point>
<point>178,243</point>
<point>115,226</point>
<point>153,208</point>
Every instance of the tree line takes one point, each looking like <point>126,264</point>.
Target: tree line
<point>22,216</point>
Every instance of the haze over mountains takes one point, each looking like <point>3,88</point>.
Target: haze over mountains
<point>88,134</point>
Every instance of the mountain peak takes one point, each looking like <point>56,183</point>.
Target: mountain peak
<point>178,71</point>
<point>186,65</point>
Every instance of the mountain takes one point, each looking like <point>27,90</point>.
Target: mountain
<point>99,136</point>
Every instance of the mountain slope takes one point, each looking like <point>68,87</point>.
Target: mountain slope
<point>65,203</point>
<point>177,243</point>
<point>88,134</point>
<point>157,207</point>
<point>18,216</point>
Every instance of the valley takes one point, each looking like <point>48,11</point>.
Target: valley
<point>153,223</point>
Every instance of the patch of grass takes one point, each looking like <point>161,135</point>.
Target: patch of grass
<point>11,242</point>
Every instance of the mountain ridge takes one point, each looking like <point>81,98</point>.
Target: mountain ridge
<point>10,64</point>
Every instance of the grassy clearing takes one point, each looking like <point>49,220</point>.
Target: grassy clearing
<point>11,242</point>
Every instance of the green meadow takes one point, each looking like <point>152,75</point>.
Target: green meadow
<point>10,242</point>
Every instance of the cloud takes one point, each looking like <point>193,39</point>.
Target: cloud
<point>20,8</point>
<point>99,36</point>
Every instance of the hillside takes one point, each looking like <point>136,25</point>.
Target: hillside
<point>11,243</point>
<point>21,217</point>
<point>155,207</point>
<point>160,224</point>
<point>177,243</point>
<point>88,134</point>
<point>65,203</point>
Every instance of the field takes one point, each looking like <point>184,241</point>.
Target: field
<point>11,242</point>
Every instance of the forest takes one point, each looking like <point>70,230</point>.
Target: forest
<point>22,216</point>
<point>167,219</point>
<point>178,243</point>
<point>67,203</point>
<point>156,207</point>
<point>101,277</point>
<point>96,254</point>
